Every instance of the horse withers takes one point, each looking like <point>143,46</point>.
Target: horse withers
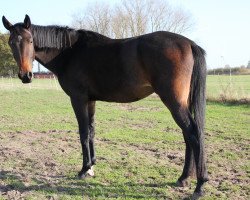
<point>91,67</point>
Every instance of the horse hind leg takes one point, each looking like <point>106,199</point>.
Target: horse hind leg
<point>181,116</point>
<point>173,86</point>
<point>196,141</point>
<point>189,165</point>
<point>194,158</point>
<point>175,96</point>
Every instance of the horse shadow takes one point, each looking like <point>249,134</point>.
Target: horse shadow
<point>76,187</point>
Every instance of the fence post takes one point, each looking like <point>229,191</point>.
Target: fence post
<point>51,82</point>
<point>55,82</point>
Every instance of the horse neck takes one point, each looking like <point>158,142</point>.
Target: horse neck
<point>47,57</point>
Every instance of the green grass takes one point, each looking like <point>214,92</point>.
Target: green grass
<point>234,87</point>
<point>140,149</point>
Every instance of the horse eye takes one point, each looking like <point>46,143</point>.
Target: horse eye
<point>30,40</point>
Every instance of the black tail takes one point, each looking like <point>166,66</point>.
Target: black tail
<point>197,97</point>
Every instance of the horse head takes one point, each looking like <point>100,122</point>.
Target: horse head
<point>21,43</point>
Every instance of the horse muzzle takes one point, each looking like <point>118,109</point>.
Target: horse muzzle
<point>26,77</point>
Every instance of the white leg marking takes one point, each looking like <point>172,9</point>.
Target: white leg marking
<point>90,172</point>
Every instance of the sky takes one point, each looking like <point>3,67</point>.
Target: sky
<point>222,27</point>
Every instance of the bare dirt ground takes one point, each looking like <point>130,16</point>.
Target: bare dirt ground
<point>28,157</point>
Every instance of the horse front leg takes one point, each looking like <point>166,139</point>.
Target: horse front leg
<point>91,113</point>
<point>80,106</point>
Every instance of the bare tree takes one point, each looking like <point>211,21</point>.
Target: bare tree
<point>133,18</point>
<point>120,24</point>
<point>162,16</point>
<point>136,15</point>
<point>181,22</point>
<point>78,20</point>
<point>96,17</point>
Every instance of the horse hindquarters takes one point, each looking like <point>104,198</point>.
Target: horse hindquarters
<point>181,87</point>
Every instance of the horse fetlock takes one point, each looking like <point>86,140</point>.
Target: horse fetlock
<point>93,161</point>
<point>199,191</point>
<point>203,180</point>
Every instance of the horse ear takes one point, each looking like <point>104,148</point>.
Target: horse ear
<point>27,22</point>
<point>6,23</point>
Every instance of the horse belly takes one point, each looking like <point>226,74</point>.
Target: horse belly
<point>127,94</point>
<point>137,93</point>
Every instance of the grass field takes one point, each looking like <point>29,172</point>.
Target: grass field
<point>140,150</point>
<point>225,87</point>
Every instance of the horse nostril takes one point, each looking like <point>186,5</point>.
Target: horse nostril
<point>29,75</point>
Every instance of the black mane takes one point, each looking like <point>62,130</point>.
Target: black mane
<point>52,36</point>
<point>63,37</point>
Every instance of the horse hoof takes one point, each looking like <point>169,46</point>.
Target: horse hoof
<point>84,174</point>
<point>183,183</point>
<point>197,195</point>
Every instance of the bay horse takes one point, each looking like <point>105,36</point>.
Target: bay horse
<point>92,67</point>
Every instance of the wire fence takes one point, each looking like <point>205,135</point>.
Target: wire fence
<point>10,83</point>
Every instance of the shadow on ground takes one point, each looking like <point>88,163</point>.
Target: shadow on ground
<point>62,185</point>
